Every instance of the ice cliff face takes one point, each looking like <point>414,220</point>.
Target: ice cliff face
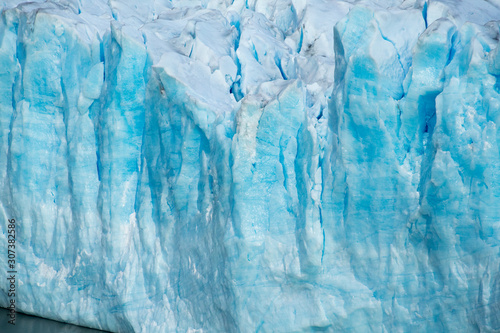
<point>268,166</point>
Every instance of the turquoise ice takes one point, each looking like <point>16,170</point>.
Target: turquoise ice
<point>253,166</point>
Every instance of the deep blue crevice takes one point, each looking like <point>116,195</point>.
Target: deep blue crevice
<point>320,115</point>
<point>301,40</point>
<point>277,61</point>
<point>98,164</point>
<point>236,90</point>
<point>254,52</point>
<point>424,14</point>
<point>453,49</point>
<point>236,86</point>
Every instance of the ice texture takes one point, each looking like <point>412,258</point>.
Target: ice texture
<point>253,165</point>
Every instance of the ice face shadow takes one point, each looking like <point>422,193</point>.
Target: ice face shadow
<point>32,324</point>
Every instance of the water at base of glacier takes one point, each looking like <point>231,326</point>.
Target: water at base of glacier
<point>32,324</point>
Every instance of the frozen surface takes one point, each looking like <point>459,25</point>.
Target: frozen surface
<point>258,165</point>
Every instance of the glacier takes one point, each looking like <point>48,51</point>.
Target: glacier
<point>253,165</point>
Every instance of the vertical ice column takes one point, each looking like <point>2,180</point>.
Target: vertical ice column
<point>185,187</point>
<point>50,164</point>
<point>457,221</point>
<point>9,71</point>
<point>275,247</point>
<point>119,127</point>
<point>423,84</point>
<point>368,188</point>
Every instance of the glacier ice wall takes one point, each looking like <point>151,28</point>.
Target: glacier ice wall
<point>253,165</point>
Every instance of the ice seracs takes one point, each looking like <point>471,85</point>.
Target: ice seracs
<point>253,165</point>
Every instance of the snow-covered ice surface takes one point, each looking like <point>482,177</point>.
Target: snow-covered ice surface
<point>253,166</point>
